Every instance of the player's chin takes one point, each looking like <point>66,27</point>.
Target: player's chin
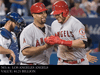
<point>60,21</point>
<point>43,21</point>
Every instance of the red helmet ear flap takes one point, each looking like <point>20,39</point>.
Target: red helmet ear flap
<point>65,13</point>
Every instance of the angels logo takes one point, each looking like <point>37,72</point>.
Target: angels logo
<point>42,6</point>
<point>81,31</point>
<point>53,8</point>
<point>24,41</point>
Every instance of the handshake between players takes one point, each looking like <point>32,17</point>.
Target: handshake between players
<point>52,40</point>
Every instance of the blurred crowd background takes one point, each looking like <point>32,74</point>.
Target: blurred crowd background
<point>78,8</point>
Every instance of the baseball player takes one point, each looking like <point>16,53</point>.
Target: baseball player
<point>69,35</point>
<point>8,40</point>
<point>34,51</point>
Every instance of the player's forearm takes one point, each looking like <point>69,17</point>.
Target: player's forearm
<point>4,51</point>
<point>33,51</point>
<point>74,43</point>
<point>78,44</point>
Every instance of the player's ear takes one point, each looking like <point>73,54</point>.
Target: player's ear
<point>61,14</point>
<point>33,15</point>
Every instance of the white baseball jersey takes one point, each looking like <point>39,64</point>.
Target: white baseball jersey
<point>71,30</point>
<point>5,43</point>
<point>33,36</point>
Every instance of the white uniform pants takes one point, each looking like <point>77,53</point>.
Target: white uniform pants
<point>85,62</point>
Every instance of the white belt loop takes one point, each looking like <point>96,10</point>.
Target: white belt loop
<point>61,60</point>
<point>78,60</point>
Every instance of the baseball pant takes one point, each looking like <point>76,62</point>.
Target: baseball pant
<point>85,62</point>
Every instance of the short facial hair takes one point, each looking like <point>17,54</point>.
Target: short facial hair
<point>11,28</point>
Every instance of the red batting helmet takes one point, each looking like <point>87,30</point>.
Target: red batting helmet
<point>37,8</point>
<point>59,7</point>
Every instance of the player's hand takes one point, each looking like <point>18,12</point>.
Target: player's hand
<point>53,40</point>
<point>57,40</point>
<point>49,40</point>
<point>48,45</point>
<point>91,58</point>
<point>12,55</point>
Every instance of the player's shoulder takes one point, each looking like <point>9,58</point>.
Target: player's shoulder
<point>1,37</point>
<point>75,21</point>
<point>76,24</point>
<point>54,23</point>
<point>28,28</point>
<point>48,26</point>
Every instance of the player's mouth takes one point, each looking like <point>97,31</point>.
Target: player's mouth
<point>59,20</point>
<point>43,19</point>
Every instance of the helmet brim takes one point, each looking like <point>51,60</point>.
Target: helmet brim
<point>40,11</point>
<point>55,12</point>
<point>6,19</point>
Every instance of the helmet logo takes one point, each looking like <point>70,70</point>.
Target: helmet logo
<point>11,16</point>
<point>42,6</point>
<point>9,13</point>
<point>53,8</point>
